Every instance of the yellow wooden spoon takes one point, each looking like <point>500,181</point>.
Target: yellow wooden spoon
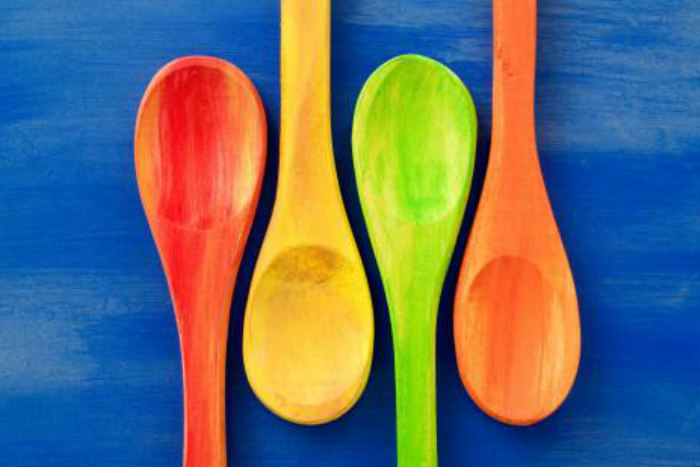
<point>309,329</point>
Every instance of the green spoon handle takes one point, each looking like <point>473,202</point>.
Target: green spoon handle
<point>414,366</point>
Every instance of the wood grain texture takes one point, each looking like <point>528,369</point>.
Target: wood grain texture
<point>89,361</point>
<point>516,322</point>
<point>414,138</point>
<point>309,329</point>
<point>200,149</point>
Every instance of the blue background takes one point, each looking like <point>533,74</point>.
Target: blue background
<point>89,359</point>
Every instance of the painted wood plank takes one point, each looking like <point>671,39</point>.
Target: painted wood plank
<point>619,136</point>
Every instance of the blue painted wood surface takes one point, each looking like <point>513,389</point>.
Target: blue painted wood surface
<point>89,362</point>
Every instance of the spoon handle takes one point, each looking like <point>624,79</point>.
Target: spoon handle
<point>414,366</point>
<point>201,287</point>
<point>514,58</point>
<point>307,166</point>
<point>203,364</point>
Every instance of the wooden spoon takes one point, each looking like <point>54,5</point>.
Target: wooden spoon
<point>309,329</point>
<point>516,322</point>
<point>414,137</point>
<point>200,149</point>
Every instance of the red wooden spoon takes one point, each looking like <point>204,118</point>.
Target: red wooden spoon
<point>200,149</point>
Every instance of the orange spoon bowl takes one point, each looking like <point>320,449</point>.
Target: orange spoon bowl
<point>200,149</point>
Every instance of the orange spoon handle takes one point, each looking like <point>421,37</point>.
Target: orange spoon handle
<point>514,57</point>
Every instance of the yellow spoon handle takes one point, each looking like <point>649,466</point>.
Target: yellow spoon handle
<point>307,168</point>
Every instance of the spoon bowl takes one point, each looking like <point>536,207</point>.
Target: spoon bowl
<point>427,188</point>
<point>195,154</point>
<point>509,307</point>
<point>314,292</point>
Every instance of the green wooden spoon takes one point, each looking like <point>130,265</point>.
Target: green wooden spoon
<point>414,138</point>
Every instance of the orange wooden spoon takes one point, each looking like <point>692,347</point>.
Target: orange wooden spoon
<point>516,321</point>
<point>200,149</point>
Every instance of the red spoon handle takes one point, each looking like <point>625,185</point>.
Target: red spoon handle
<point>203,362</point>
<point>201,287</point>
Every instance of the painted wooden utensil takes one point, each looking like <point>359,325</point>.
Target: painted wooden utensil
<point>516,324</point>
<point>309,329</point>
<point>200,149</point>
<point>414,137</point>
